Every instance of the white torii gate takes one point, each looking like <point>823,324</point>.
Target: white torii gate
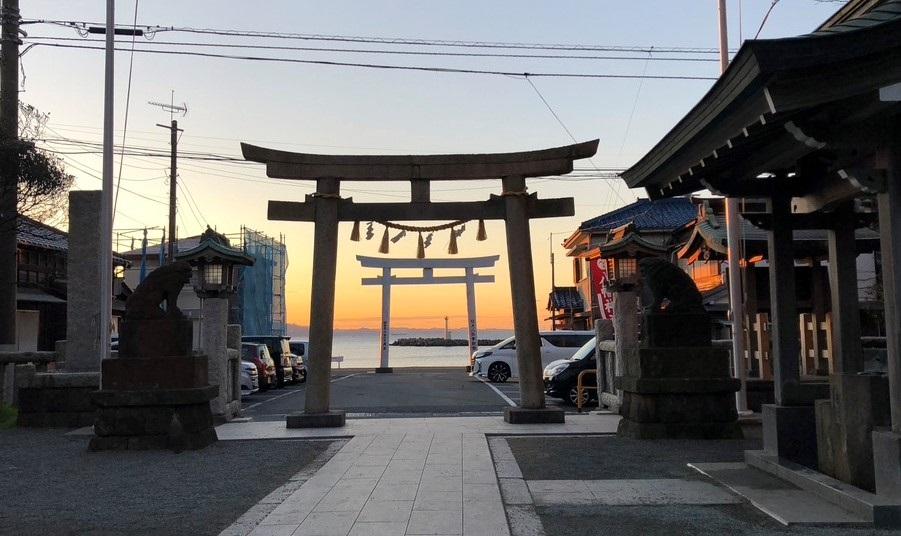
<point>470,278</point>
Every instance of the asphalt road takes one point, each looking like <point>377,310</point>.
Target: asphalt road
<point>405,392</point>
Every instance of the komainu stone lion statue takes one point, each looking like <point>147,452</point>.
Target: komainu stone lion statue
<point>667,289</point>
<point>160,285</point>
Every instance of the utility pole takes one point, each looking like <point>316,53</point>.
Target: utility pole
<point>446,330</point>
<point>9,137</point>
<point>733,239</point>
<point>550,242</point>
<point>173,168</point>
<point>106,196</point>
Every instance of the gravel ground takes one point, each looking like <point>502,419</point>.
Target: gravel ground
<point>609,457</point>
<point>51,485</point>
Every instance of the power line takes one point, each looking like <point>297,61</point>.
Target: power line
<point>150,31</point>
<point>386,51</point>
<point>562,124</point>
<point>131,61</point>
<point>385,66</point>
<point>765,17</point>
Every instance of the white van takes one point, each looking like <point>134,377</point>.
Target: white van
<point>498,363</point>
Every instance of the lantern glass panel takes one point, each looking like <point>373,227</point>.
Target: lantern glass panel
<point>212,275</point>
<point>627,267</point>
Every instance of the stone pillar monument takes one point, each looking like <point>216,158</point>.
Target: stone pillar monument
<point>213,343</point>
<point>83,297</point>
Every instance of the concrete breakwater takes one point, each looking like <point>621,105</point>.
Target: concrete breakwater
<point>440,341</point>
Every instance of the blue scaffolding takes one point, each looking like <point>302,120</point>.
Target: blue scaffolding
<point>262,286</point>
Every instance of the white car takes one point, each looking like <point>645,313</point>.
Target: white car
<point>498,363</point>
<point>250,380</point>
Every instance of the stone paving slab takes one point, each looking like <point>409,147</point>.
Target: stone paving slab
<point>575,425</point>
<point>777,498</point>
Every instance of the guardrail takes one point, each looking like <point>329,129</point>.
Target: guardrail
<point>580,387</point>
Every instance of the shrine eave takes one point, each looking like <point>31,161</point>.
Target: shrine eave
<point>305,166</point>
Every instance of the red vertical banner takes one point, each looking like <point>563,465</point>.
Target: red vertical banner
<point>599,287</point>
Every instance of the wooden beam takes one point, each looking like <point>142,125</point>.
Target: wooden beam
<point>441,280</point>
<point>493,209</point>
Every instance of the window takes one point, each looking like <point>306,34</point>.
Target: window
<point>568,340</point>
<point>577,270</point>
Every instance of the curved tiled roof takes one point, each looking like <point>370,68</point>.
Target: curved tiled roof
<point>645,214</point>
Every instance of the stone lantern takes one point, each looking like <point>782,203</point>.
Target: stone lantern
<point>215,264</point>
<point>622,250</point>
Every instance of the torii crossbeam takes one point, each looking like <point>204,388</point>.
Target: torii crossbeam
<point>326,209</point>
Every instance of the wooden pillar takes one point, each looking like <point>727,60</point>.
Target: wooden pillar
<point>890,243</point>
<point>522,290</point>
<point>385,331</point>
<point>471,311</point>
<point>783,302</point>
<point>322,296</point>
<point>847,354</point>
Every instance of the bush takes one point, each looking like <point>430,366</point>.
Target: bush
<point>8,416</point>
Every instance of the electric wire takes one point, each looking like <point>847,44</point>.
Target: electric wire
<point>41,38</point>
<point>131,61</point>
<point>150,32</point>
<point>420,68</point>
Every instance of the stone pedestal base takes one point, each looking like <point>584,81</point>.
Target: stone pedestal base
<point>678,392</point>
<point>57,399</point>
<point>845,424</point>
<point>174,419</point>
<point>384,370</point>
<point>887,464</point>
<point>330,419</point>
<point>534,416</point>
<point>131,373</point>
<point>790,432</point>
<point>153,337</point>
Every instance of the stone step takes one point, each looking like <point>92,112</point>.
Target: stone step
<point>779,499</point>
<point>882,512</point>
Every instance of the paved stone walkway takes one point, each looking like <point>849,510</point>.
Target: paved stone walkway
<point>429,476</point>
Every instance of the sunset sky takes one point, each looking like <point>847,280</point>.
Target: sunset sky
<point>340,110</point>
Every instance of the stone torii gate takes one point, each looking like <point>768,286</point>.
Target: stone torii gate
<point>326,208</point>
<point>470,278</point>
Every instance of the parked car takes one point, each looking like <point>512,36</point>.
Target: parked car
<point>498,363</point>
<point>281,354</point>
<point>250,379</point>
<point>258,354</point>
<point>560,376</point>
<point>301,349</point>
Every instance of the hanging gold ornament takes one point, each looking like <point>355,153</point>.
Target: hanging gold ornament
<point>355,232</point>
<point>481,235</point>
<point>452,248</point>
<point>420,248</point>
<point>383,248</point>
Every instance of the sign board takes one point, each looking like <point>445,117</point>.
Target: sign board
<point>599,287</point>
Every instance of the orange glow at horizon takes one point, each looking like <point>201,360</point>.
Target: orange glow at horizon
<point>412,306</point>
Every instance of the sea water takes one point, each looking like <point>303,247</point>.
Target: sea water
<point>360,348</point>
